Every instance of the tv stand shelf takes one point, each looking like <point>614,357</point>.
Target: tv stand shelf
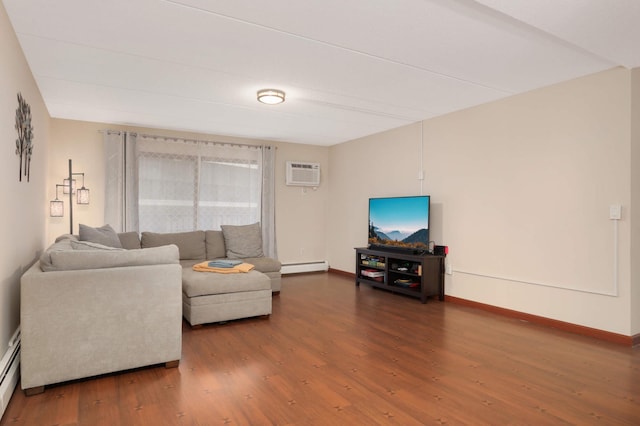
<point>416,275</point>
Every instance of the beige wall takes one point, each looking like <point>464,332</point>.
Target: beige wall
<point>22,217</point>
<point>521,190</point>
<point>300,214</point>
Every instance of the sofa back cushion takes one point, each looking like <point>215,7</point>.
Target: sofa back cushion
<point>215,245</point>
<point>63,243</point>
<point>75,260</point>
<point>129,240</point>
<point>88,245</point>
<point>190,244</point>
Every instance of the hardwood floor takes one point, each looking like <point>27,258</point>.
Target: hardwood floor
<point>333,354</point>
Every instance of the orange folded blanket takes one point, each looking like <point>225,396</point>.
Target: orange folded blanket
<point>204,267</point>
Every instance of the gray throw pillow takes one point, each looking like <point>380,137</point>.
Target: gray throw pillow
<point>243,241</point>
<point>104,235</point>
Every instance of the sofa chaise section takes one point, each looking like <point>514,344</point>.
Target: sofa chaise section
<point>209,297</point>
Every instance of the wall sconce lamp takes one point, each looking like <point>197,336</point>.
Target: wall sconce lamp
<point>56,207</point>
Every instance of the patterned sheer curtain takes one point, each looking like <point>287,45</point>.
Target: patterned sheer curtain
<point>183,185</point>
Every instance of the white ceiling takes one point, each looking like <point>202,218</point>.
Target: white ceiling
<point>350,68</point>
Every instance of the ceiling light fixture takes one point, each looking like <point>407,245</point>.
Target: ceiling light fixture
<point>270,96</point>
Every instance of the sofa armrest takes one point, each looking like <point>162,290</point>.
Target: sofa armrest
<point>82,323</point>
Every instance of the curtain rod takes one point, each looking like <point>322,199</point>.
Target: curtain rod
<point>179,139</point>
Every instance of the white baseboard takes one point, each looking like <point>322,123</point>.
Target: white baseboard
<point>9,371</point>
<point>296,268</point>
<point>9,385</point>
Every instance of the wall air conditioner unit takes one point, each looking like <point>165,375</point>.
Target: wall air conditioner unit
<point>303,174</point>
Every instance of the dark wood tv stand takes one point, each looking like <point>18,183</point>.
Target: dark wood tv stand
<point>417,275</point>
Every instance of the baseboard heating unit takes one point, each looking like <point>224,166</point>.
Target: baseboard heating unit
<point>9,372</point>
<point>296,268</point>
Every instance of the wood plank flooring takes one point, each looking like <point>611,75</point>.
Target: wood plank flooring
<point>334,354</point>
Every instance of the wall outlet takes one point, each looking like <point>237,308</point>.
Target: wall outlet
<point>448,269</point>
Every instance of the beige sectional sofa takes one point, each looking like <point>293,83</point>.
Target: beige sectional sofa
<point>107,302</point>
<point>87,311</point>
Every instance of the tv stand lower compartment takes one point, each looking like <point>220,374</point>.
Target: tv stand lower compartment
<point>416,275</point>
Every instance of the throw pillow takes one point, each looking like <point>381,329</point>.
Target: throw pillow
<point>104,235</point>
<point>243,241</point>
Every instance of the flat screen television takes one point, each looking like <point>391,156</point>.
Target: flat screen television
<point>399,223</point>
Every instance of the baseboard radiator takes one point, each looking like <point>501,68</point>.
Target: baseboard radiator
<point>9,371</point>
<point>296,268</point>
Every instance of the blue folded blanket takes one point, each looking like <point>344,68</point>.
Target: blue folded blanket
<point>224,263</point>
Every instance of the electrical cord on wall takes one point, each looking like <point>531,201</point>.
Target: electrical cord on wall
<point>421,174</point>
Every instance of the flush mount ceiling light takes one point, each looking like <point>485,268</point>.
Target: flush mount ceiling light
<point>270,96</point>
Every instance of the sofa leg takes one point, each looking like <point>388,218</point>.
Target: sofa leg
<point>34,391</point>
<point>172,364</point>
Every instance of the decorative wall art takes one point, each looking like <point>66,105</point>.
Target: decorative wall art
<point>24,143</point>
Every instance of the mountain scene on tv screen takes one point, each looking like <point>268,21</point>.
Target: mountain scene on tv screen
<point>417,239</point>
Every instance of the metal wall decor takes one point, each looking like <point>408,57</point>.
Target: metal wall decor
<point>24,143</point>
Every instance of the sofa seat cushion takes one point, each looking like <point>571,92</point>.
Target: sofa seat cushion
<point>196,284</point>
<point>261,264</point>
<point>264,264</point>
